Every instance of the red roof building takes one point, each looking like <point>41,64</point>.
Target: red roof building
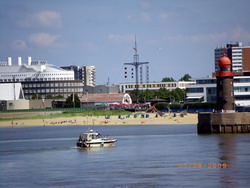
<point>91,100</point>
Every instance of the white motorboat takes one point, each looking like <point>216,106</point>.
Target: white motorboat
<point>94,139</point>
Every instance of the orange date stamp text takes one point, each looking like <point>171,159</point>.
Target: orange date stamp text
<point>202,165</point>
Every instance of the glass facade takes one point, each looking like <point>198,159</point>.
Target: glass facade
<point>242,97</point>
<point>242,89</point>
<point>195,90</point>
<point>206,81</point>
<point>43,88</point>
<point>241,80</point>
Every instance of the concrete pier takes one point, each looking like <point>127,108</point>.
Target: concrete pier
<point>238,122</point>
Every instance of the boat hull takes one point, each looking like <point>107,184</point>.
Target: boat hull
<point>95,144</point>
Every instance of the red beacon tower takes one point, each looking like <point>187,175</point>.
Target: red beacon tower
<point>225,88</point>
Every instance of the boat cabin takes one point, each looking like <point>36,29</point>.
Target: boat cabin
<point>89,136</point>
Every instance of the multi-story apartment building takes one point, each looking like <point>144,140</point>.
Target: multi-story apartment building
<point>87,74</point>
<point>238,54</point>
<point>90,76</point>
<point>39,77</point>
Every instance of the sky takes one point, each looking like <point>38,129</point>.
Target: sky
<point>176,37</point>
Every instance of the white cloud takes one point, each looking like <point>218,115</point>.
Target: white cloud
<point>51,19</point>
<point>145,5</point>
<point>45,39</point>
<point>145,17</point>
<point>198,38</point>
<point>121,38</point>
<point>163,16</point>
<point>236,34</point>
<point>142,17</point>
<point>90,46</point>
<point>240,34</point>
<point>19,45</point>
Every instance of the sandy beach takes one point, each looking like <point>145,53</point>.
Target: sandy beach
<point>101,120</point>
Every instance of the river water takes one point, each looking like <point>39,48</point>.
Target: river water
<point>144,156</point>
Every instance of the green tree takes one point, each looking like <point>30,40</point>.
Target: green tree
<point>146,95</point>
<point>134,95</point>
<point>72,102</point>
<point>167,79</point>
<point>175,106</point>
<point>58,97</point>
<point>162,93</point>
<point>49,96</point>
<point>186,77</point>
<point>36,96</point>
<point>143,96</point>
<point>175,95</point>
<point>178,94</point>
<point>161,105</point>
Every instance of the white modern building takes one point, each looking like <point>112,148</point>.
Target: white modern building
<point>154,86</point>
<point>39,78</point>
<point>205,90</point>
<point>11,91</point>
<point>32,71</point>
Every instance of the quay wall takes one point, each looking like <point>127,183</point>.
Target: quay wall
<point>238,122</point>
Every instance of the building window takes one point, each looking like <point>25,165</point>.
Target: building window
<point>195,90</point>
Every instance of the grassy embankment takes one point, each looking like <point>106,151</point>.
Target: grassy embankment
<point>69,114</point>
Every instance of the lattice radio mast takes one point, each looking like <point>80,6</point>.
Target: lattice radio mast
<point>136,64</point>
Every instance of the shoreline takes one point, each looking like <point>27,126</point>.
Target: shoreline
<point>101,120</point>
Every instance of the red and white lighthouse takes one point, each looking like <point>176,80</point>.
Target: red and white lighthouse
<point>225,88</point>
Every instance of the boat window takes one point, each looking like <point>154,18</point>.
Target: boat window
<point>93,136</point>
